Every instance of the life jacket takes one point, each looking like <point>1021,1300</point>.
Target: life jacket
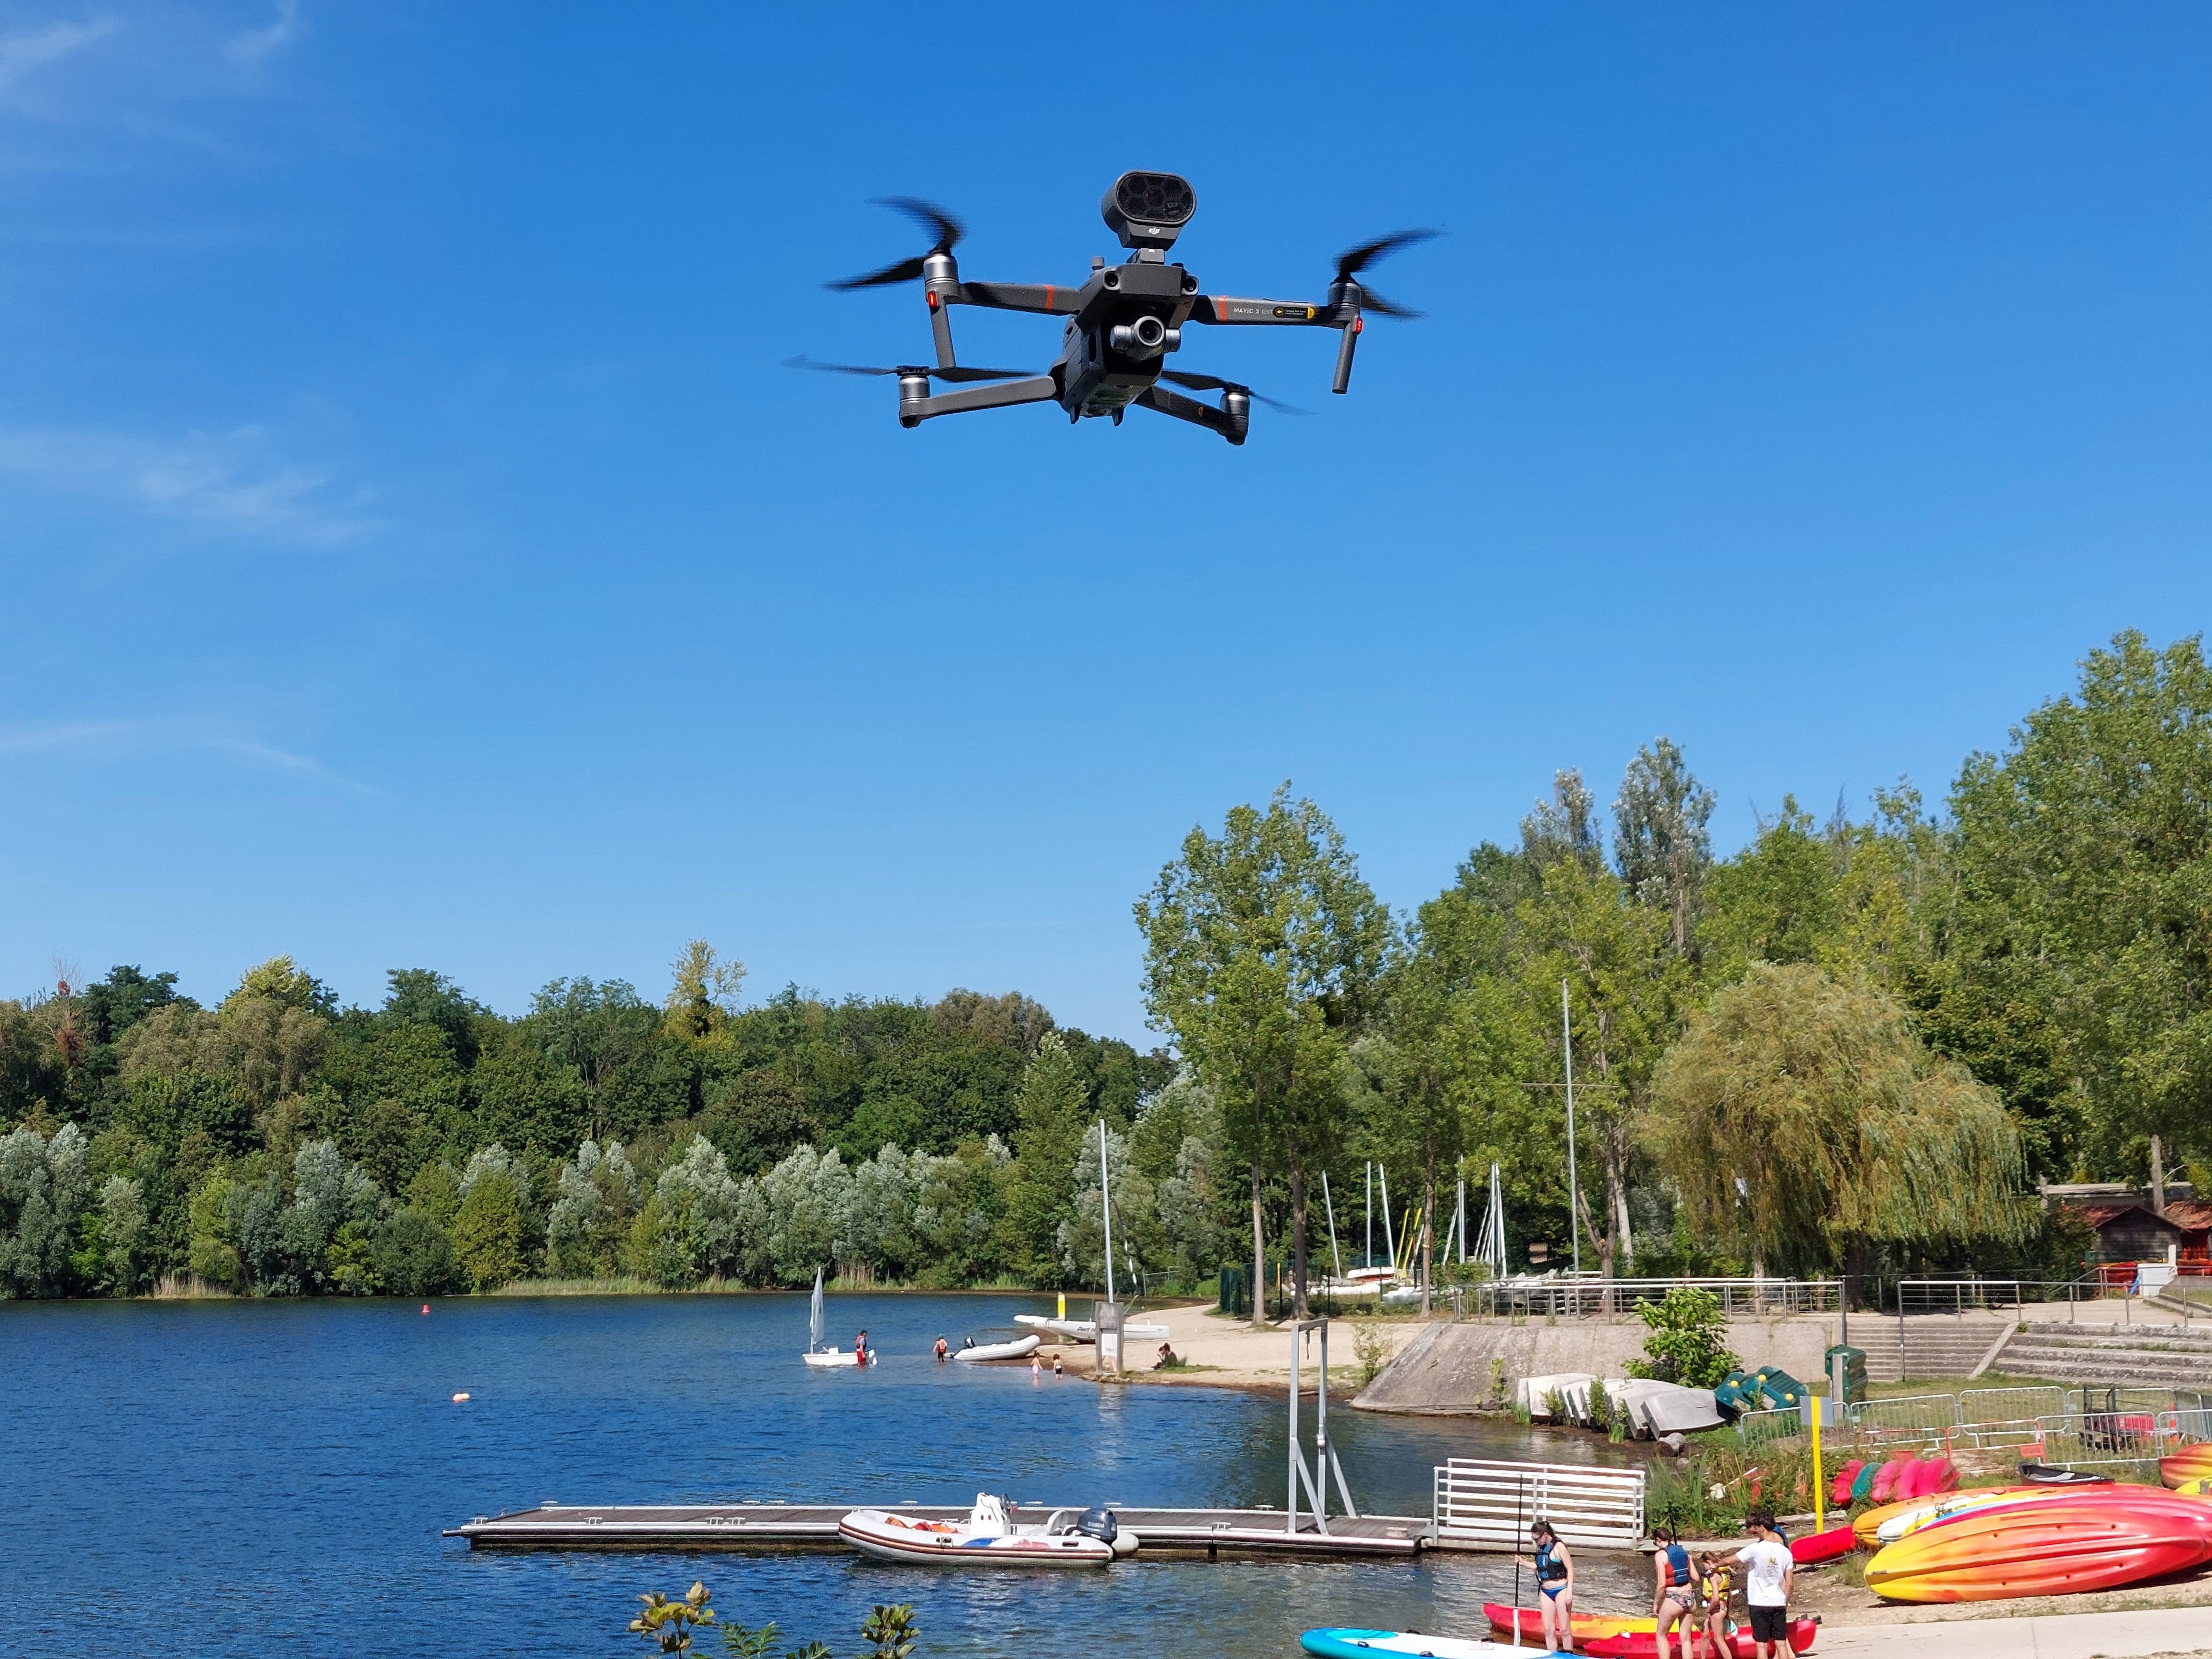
<point>1678,1565</point>
<point>1549,1566</point>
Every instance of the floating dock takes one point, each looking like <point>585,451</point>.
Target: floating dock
<point>1211,1533</point>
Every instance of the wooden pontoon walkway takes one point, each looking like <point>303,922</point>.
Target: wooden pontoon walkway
<point>784,1525</point>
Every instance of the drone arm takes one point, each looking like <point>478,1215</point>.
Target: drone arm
<point>1166,402</point>
<point>1047,298</point>
<point>1292,314</point>
<point>1036,389</point>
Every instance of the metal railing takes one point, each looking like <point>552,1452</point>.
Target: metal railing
<point>1481,1500</point>
<point>1586,1295</point>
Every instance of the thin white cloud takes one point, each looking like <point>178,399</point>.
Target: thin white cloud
<point>25,51</point>
<point>129,739</point>
<point>250,47</point>
<point>228,482</point>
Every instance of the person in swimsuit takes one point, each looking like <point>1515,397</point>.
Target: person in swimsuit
<point>861,1349</point>
<point>942,1351</point>
<point>1555,1579</point>
<point>1674,1591</point>
<point>1718,1582</point>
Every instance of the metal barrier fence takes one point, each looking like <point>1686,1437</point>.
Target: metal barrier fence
<point>2088,1427</point>
<point>1478,1500</point>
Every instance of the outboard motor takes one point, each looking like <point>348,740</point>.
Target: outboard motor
<point>1097,1521</point>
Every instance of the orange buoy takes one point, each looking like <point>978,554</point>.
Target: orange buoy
<point>426,1307</point>
<point>458,1398</point>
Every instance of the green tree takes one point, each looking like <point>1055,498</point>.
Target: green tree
<point>2079,972</point>
<point>490,1227</point>
<point>1660,843</point>
<point>1688,1342</point>
<point>1263,953</point>
<point>1053,1121</point>
<point>1805,1117</point>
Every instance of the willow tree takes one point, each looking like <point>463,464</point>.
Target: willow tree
<point>1804,1116</point>
<point>1263,948</point>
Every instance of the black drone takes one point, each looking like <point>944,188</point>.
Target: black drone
<point>1121,323</point>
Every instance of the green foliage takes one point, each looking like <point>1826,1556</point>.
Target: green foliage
<point>1369,1348</point>
<point>489,1230</point>
<point>668,1625</point>
<point>891,1632</point>
<point>1688,1342</point>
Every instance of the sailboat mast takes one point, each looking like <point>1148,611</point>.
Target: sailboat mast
<point>1106,1208</point>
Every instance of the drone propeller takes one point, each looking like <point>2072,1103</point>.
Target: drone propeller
<point>1215,383</point>
<point>956,373</point>
<point>1354,261</point>
<point>931,217</point>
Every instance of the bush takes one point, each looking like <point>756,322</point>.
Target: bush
<point>1688,1339</point>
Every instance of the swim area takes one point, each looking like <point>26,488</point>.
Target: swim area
<point>220,1478</point>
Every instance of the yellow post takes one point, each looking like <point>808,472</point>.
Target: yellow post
<point>1063,1304</point>
<point>1820,1486</point>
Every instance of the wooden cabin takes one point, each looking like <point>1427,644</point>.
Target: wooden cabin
<point>2130,1232</point>
<point>2194,1220</point>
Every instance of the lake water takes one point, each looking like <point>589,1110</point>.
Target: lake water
<point>253,1477</point>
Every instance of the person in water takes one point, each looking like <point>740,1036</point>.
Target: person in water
<point>861,1349</point>
<point>1555,1579</point>
<point>1674,1591</point>
<point>1057,1369</point>
<point>942,1351</point>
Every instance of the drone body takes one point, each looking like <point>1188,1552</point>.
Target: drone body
<point>1122,322</point>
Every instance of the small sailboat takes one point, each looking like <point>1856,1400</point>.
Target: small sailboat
<point>822,1358</point>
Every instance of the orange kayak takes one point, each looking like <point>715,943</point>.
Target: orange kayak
<point>1867,1527</point>
<point>2052,1547</point>
<point>1587,1627</point>
<point>2190,1463</point>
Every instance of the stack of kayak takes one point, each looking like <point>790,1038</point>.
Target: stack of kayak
<point>2032,1541</point>
<point>1889,1480</point>
<point>1769,1388</point>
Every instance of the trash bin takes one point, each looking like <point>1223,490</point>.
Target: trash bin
<point>1855,1372</point>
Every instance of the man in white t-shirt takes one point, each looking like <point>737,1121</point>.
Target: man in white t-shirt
<point>1768,1570</point>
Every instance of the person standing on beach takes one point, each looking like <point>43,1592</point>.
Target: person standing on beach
<point>1768,1572</point>
<point>1675,1592</point>
<point>1555,1582</point>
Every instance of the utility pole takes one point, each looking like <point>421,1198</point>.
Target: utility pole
<point>1574,1184</point>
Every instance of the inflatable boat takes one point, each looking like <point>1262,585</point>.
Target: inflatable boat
<point>989,1538</point>
<point>1020,1348</point>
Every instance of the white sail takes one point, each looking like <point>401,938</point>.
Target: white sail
<point>814,1328</point>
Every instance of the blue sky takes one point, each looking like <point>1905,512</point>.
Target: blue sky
<point>412,553</point>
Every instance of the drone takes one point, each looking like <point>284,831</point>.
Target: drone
<point>1122,322</point>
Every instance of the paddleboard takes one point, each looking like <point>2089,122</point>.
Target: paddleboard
<point>1344,1642</point>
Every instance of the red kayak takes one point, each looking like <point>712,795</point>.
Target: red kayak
<point>1644,1644</point>
<point>1815,1548</point>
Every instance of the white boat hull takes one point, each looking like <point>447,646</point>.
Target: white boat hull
<point>887,1537</point>
<point>833,1357</point>
<point>1082,1330</point>
<point>1020,1348</point>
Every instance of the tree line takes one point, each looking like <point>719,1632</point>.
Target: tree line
<point>1851,1047</point>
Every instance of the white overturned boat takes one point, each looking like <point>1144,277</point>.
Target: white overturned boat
<point>1082,1330</point>
<point>988,1538</point>
<point>1020,1348</point>
<point>823,1359</point>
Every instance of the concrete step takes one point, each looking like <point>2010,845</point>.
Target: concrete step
<point>2150,1338</point>
<point>2156,1356</point>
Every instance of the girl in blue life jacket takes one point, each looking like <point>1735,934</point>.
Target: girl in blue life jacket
<point>1555,1583</point>
<point>1675,1590</point>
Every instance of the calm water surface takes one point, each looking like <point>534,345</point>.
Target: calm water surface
<point>236,1478</point>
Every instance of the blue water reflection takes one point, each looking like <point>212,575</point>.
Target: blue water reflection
<point>236,1478</point>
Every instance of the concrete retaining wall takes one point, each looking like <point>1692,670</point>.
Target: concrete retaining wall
<point>1446,1369</point>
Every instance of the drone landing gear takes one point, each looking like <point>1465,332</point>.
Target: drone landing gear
<point>1036,389</point>
<point>1232,420</point>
